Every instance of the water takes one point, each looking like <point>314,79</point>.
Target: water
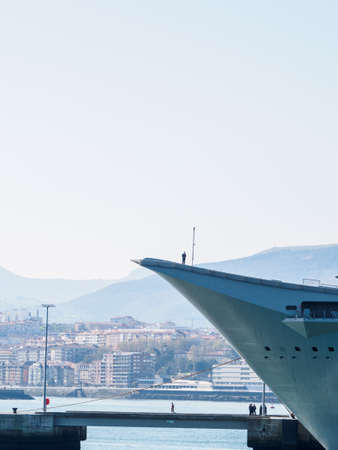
<point>123,438</point>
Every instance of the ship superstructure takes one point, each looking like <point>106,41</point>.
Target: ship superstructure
<point>288,333</point>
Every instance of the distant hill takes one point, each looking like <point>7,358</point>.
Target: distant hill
<point>18,291</point>
<point>287,264</point>
<point>151,299</point>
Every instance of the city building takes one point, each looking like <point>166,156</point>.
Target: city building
<point>34,354</point>
<point>72,353</point>
<point>122,369</point>
<point>10,374</point>
<point>35,374</point>
<point>235,375</point>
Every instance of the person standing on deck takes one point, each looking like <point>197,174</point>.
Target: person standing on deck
<point>184,256</point>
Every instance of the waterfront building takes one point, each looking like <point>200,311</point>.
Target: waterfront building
<point>121,369</point>
<point>236,374</point>
<point>84,374</point>
<point>60,374</point>
<point>35,374</point>
<point>10,374</point>
<point>72,353</point>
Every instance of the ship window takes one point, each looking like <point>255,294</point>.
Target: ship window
<point>315,349</point>
<point>293,357</point>
<point>327,357</point>
<point>314,357</point>
<point>281,357</point>
<point>331,349</point>
<point>266,357</point>
<point>267,348</point>
<point>297,348</point>
<point>320,310</point>
<point>291,307</point>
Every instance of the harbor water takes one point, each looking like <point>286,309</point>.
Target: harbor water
<point>123,438</point>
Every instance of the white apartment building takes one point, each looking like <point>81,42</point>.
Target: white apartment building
<point>89,338</point>
<point>35,374</point>
<point>235,375</point>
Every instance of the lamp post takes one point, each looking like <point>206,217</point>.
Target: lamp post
<point>47,306</point>
<point>263,401</point>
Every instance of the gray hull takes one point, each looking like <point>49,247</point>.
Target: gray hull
<point>298,359</point>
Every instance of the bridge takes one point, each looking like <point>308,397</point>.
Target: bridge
<point>66,430</point>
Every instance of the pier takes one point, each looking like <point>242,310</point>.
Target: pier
<point>66,430</point>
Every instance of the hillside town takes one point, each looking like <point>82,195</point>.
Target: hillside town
<point>120,353</point>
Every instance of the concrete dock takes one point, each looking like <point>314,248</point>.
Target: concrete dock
<point>66,430</point>
<point>38,432</point>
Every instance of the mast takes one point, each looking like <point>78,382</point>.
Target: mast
<point>193,246</point>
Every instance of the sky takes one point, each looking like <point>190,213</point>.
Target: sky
<point>125,123</point>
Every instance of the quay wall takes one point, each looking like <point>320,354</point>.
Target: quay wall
<point>38,432</point>
<point>159,394</point>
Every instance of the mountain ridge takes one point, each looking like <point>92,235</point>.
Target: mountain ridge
<point>27,291</point>
<point>152,299</point>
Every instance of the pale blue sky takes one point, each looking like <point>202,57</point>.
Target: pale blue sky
<point>125,123</point>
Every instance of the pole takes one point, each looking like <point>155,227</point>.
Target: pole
<point>47,306</point>
<point>263,401</point>
<point>193,246</point>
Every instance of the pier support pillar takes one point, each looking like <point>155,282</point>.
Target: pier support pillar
<point>276,434</point>
<point>37,432</point>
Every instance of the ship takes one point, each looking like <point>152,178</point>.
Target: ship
<point>288,334</point>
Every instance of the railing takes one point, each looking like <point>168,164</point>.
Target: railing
<point>317,283</point>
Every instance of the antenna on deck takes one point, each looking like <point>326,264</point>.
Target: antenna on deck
<point>193,246</point>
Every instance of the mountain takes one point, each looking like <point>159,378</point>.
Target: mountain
<point>18,291</point>
<point>151,299</point>
<point>287,264</point>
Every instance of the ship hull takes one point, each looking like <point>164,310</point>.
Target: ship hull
<point>300,368</point>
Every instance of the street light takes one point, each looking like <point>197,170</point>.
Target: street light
<point>263,401</point>
<point>47,306</point>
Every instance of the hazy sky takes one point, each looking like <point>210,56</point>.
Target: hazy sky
<point>125,123</point>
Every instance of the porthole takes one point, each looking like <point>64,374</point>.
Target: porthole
<point>331,349</point>
<point>281,357</point>
<point>315,349</point>
<point>293,357</point>
<point>314,357</point>
<point>297,348</point>
<point>327,357</point>
<point>266,357</point>
<point>268,349</point>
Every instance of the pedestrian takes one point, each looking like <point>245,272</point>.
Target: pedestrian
<point>184,256</point>
<point>254,409</point>
<point>172,408</point>
<point>260,410</point>
<point>250,409</point>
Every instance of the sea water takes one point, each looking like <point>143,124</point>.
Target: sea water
<point>123,438</point>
